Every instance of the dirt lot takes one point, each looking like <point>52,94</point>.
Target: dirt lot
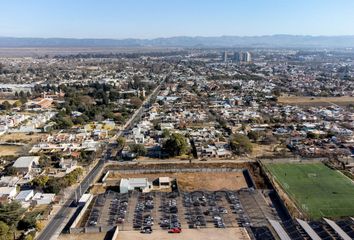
<point>6,150</point>
<point>195,234</point>
<point>10,101</point>
<point>308,101</point>
<point>212,181</point>
<point>21,137</point>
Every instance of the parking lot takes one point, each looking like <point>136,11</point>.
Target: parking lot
<point>173,211</point>
<point>108,209</point>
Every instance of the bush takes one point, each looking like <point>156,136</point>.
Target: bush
<point>240,144</point>
<point>176,145</point>
<point>138,149</point>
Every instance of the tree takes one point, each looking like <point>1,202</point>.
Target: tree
<point>6,105</point>
<point>253,135</point>
<point>28,221</point>
<point>4,230</point>
<point>52,186</point>
<point>176,145</point>
<point>312,135</point>
<point>121,142</point>
<point>136,102</point>
<point>138,149</point>
<point>40,181</point>
<point>10,213</point>
<point>17,104</point>
<point>240,144</point>
<point>269,139</point>
<point>166,133</point>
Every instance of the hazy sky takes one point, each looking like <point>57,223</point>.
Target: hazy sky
<point>165,18</point>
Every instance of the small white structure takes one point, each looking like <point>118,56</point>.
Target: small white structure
<point>164,182</point>
<point>25,164</point>
<point>9,181</point>
<point>8,192</point>
<point>130,184</point>
<point>25,195</point>
<point>87,197</point>
<point>43,198</point>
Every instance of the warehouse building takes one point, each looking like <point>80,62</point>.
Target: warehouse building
<point>139,184</point>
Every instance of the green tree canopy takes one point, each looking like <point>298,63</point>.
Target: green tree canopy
<point>120,142</point>
<point>138,149</point>
<point>11,213</point>
<point>176,145</point>
<point>240,144</point>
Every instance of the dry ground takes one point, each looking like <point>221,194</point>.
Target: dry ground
<point>21,137</point>
<point>10,101</point>
<point>212,181</point>
<point>192,234</point>
<point>6,150</point>
<point>300,100</point>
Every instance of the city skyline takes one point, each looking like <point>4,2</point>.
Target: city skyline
<point>147,20</point>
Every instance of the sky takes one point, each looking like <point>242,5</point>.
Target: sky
<point>166,18</point>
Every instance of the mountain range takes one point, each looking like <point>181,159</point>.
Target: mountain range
<point>270,41</point>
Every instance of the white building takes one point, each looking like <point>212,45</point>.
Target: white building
<point>25,195</point>
<point>43,198</point>
<point>25,164</point>
<point>130,184</point>
<point>8,192</point>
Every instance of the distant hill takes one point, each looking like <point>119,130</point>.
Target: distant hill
<point>271,41</point>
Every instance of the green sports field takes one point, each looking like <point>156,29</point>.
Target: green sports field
<point>316,189</point>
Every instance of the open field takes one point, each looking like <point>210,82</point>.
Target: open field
<point>21,137</point>
<point>316,101</point>
<point>211,181</point>
<point>10,101</point>
<point>7,150</point>
<point>316,189</point>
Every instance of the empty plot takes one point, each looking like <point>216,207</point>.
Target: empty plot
<point>316,189</point>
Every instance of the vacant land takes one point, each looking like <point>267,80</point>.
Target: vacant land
<point>7,150</point>
<point>10,101</point>
<point>316,101</point>
<point>22,137</point>
<point>212,181</point>
<point>316,189</point>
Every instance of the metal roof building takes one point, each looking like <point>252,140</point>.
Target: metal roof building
<point>130,184</point>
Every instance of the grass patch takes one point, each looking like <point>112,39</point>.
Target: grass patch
<point>316,189</point>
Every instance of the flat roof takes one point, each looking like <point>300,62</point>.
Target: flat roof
<point>313,235</point>
<point>23,194</point>
<point>85,197</point>
<point>164,179</point>
<point>338,230</point>
<point>25,162</point>
<point>279,230</point>
<point>138,181</point>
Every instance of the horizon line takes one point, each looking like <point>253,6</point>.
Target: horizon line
<point>181,36</point>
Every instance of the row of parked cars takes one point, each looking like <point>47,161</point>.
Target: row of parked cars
<point>205,207</point>
<point>118,209</point>
<point>143,219</point>
<point>236,207</point>
<point>194,213</point>
<point>169,218</point>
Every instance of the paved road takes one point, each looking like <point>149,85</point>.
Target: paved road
<point>55,225</point>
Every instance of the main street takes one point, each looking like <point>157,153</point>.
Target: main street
<point>54,227</point>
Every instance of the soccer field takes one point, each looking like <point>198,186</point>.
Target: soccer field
<point>316,189</point>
